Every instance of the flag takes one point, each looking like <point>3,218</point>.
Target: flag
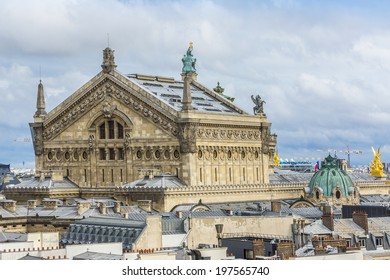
<point>317,166</point>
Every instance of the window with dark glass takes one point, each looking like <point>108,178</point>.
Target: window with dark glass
<point>120,131</point>
<point>102,131</point>
<point>102,154</point>
<point>112,153</point>
<point>121,154</point>
<point>111,130</point>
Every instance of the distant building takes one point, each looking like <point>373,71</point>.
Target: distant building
<point>4,169</point>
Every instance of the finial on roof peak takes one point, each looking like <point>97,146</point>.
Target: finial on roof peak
<point>108,64</point>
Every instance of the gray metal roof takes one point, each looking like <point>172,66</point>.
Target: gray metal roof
<point>170,92</point>
<point>309,212</point>
<point>317,228</point>
<point>98,230</point>
<point>287,176</point>
<point>160,181</point>
<point>97,256</point>
<point>375,199</point>
<point>46,183</point>
<point>275,178</point>
<point>12,237</point>
<point>61,212</point>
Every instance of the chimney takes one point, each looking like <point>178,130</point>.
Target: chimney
<point>328,217</point>
<point>179,214</point>
<point>361,219</point>
<point>145,205</point>
<point>117,207</point>
<point>57,175</point>
<point>126,215</point>
<point>31,204</point>
<point>9,205</point>
<point>49,204</point>
<point>103,208</point>
<point>83,206</point>
<point>276,206</point>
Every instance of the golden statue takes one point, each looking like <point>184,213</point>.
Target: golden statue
<point>376,166</point>
<point>276,159</point>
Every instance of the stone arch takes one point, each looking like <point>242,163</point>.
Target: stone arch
<point>301,203</point>
<point>98,117</point>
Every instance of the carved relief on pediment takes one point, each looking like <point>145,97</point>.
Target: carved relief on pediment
<point>105,91</point>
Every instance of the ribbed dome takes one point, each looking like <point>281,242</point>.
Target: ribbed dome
<point>329,177</point>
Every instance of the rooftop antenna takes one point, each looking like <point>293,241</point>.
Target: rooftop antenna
<point>108,39</point>
<point>40,74</point>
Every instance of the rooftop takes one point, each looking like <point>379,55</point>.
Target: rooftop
<point>170,92</point>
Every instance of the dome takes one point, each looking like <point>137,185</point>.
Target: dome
<point>329,178</point>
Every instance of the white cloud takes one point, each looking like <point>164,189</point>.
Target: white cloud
<point>322,71</point>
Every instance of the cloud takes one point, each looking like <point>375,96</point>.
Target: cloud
<point>322,68</point>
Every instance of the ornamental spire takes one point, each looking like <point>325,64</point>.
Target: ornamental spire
<point>40,102</point>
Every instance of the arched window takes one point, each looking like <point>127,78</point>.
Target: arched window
<point>317,194</point>
<point>338,194</point>
<point>111,129</point>
<point>102,131</point>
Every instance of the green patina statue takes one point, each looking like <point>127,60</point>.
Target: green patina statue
<point>220,90</point>
<point>189,61</point>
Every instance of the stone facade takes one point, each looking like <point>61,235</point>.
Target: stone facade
<point>113,130</point>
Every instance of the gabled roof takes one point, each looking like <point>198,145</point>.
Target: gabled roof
<point>170,91</point>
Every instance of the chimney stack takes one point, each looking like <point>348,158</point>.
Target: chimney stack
<point>83,206</point>
<point>276,206</point>
<point>361,219</point>
<point>31,204</point>
<point>328,217</point>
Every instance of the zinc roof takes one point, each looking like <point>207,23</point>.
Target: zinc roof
<point>170,92</point>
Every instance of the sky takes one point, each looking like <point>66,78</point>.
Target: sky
<point>322,67</point>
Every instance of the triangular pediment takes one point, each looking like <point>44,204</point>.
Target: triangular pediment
<point>105,87</point>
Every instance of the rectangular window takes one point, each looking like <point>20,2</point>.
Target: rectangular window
<point>102,154</point>
<point>112,175</point>
<point>230,174</point>
<point>121,154</point>
<point>112,153</point>
<point>102,131</point>
<point>120,131</point>
<point>378,241</point>
<point>216,174</point>
<point>200,174</point>
<point>243,173</point>
<point>85,175</point>
<point>111,130</point>
<point>362,242</point>
<point>102,175</point>
<point>121,175</point>
<point>257,173</point>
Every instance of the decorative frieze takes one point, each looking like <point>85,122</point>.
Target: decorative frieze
<point>228,153</point>
<point>228,134</point>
